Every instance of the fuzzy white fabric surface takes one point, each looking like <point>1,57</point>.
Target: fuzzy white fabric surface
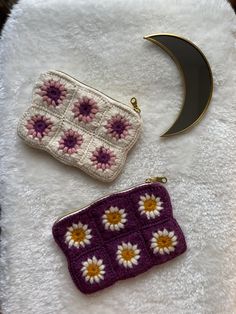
<point>100,43</point>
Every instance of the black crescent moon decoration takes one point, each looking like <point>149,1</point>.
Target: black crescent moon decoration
<point>197,77</point>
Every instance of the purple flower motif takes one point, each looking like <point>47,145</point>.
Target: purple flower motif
<point>70,142</point>
<point>85,109</point>
<point>103,158</point>
<point>53,92</point>
<point>39,126</point>
<point>118,127</point>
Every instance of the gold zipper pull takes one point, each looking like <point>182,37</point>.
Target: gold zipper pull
<point>156,179</point>
<point>134,103</point>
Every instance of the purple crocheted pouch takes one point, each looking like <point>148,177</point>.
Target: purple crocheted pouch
<point>119,236</point>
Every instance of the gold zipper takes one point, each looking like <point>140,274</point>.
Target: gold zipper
<point>147,181</point>
<point>133,100</point>
<point>134,103</point>
<point>156,179</point>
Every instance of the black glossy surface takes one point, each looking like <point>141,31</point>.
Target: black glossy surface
<point>197,77</point>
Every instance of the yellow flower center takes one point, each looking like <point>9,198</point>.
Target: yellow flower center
<point>127,254</point>
<point>114,218</point>
<point>164,241</point>
<point>78,235</point>
<point>93,270</point>
<point>150,205</point>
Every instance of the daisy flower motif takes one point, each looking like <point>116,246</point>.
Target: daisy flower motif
<point>85,109</point>
<point>114,218</point>
<point>93,270</point>
<point>163,242</point>
<point>70,142</point>
<point>78,235</point>
<point>53,92</point>
<point>150,206</point>
<point>103,158</point>
<point>127,254</point>
<point>39,126</point>
<point>118,127</point>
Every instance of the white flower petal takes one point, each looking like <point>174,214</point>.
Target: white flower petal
<point>125,246</point>
<point>165,232</point>
<point>85,272</point>
<point>94,259</point>
<point>97,279</point>
<point>152,214</point>
<point>107,225</point>
<point>71,243</point>
<point>166,250</point>
<point>125,264</point>
<point>112,227</point>
<point>99,262</point>
<point>120,225</point>
<point>134,261</point>
<point>68,238</point>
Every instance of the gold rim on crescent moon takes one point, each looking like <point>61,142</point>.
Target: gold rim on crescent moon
<point>170,53</point>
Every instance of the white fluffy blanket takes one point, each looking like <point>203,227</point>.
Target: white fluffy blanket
<point>100,43</point>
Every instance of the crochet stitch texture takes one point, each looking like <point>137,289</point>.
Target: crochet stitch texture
<point>119,236</point>
<point>79,126</point>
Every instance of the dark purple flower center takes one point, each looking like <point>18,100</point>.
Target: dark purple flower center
<point>70,141</point>
<point>40,126</point>
<point>103,158</point>
<point>118,127</point>
<point>54,93</point>
<point>85,109</point>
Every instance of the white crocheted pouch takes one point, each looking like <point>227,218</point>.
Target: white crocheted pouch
<point>80,126</point>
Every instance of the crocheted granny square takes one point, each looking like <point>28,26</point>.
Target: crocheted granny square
<point>119,236</point>
<point>79,126</point>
